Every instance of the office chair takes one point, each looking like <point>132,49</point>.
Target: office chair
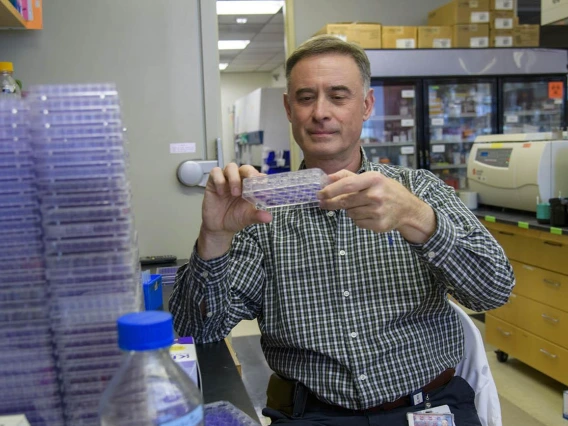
<point>474,368</point>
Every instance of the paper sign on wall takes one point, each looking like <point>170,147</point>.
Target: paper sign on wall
<point>182,148</point>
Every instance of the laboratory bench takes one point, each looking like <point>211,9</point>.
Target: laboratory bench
<point>521,219</point>
<point>220,378</point>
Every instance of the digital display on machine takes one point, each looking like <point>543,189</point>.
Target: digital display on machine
<point>496,157</point>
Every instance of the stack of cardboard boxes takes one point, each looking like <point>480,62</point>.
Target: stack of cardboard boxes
<point>458,24</point>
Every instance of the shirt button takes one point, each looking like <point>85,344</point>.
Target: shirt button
<point>354,334</point>
<point>331,214</point>
<point>346,293</point>
<point>205,274</point>
<point>209,314</point>
<point>342,253</point>
<point>362,377</point>
<point>431,255</point>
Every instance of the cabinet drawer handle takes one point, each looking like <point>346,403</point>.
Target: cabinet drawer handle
<point>549,318</point>
<point>548,354</point>
<point>510,234</point>
<point>552,283</point>
<point>503,332</point>
<point>553,243</point>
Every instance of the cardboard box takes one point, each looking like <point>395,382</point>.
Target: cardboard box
<point>400,37</point>
<point>502,20</point>
<point>501,38</point>
<point>526,36</point>
<point>184,354</point>
<point>365,34</point>
<point>460,12</point>
<point>435,37</point>
<point>471,35</point>
<point>503,5</point>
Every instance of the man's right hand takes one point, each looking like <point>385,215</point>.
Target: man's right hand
<point>224,211</point>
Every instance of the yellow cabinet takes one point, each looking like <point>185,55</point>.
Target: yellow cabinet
<point>533,325</point>
<point>11,18</point>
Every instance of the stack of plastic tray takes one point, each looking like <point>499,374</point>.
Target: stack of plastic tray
<point>89,239</point>
<point>28,378</point>
<point>168,274</point>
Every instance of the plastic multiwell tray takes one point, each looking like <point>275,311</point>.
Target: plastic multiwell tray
<point>223,413</point>
<point>102,90</point>
<point>285,189</point>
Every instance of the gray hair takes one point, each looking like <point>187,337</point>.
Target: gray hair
<point>323,44</point>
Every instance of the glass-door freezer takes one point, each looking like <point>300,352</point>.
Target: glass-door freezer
<point>457,111</point>
<point>532,104</point>
<point>389,136</point>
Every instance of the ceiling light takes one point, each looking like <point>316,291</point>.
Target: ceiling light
<point>232,44</point>
<point>241,20</point>
<point>248,7</point>
<point>223,66</point>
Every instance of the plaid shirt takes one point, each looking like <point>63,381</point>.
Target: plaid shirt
<point>360,318</point>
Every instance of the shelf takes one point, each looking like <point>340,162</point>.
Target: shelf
<point>10,18</point>
<point>448,166</point>
<point>448,142</point>
<point>533,112</point>
<point>386,144</point>
<point>390,118</point>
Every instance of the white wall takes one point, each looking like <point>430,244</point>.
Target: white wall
<point>234,86</point>
<point>153,52</point>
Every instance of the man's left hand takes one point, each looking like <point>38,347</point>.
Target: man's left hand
<point>380,204</point>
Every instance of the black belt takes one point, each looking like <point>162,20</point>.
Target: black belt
<point>298,399</point>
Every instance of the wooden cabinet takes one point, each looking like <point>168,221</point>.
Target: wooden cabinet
<point>10,18</point>
<point>533,325</point>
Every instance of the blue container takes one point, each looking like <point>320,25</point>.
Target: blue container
<point>153,299</point>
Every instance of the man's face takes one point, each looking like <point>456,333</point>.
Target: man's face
<point>327,106</point>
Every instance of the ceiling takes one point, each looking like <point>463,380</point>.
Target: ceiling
<point>264,53</point>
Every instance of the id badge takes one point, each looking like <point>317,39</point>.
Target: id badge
<point>442,409</point>
<point>430,419</point>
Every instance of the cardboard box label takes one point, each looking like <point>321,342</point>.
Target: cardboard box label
<point>442,43</point>
<point>405,150</point>
<point>504,4</point>
<point>479,17</point>
<point>512,119</point>
<point>406,43</point>
<point>503,41</point>
<point>437,122</point>
<point>479,42</point>
<point>341,37</point>
<point>408,94</point>
<point>504,23</point>
<point>407,122</point>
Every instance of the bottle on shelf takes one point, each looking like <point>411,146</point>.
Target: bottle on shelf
<point>149,388</point>
<point>9,87</point>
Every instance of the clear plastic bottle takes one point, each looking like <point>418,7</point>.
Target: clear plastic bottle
<point>9,88</point>
<point>149,388</point>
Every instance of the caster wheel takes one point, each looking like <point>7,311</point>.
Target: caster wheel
<point>502,356</point>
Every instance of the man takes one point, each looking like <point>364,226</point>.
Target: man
<point>350,296</point>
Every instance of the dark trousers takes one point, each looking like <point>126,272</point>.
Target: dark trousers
<point>457,394</point>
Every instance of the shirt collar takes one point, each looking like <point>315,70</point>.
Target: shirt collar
<point>364,167</point>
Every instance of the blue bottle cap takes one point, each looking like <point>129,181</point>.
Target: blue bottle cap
<point>144,331</point>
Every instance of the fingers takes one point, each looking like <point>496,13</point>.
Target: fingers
<point>230,178</point>
<point>345,182</point>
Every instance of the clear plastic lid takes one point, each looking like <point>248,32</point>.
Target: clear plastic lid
<point>148,330</point>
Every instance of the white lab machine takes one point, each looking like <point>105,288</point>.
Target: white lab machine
<point>513,170</point>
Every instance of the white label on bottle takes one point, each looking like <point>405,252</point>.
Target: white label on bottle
<point>479,42</point>
<point>406,43</point>
<point>504,23</point>
<point>473,4</point>
<point>442,43</point>
<point>191,419</point>
<point>408,94</point>
<point>503,41</point>
<point>407,122</point>
<point>479,17</point>
<point>512,119</point>
<point>182,148</point>
<point>503,4</point>
<point>437,122</point>
<point>8,88</point>
<point>438,148</point>
<point>407,150</point>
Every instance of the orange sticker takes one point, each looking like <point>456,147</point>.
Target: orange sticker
<point>555,90</point>
<point>526,145</point>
